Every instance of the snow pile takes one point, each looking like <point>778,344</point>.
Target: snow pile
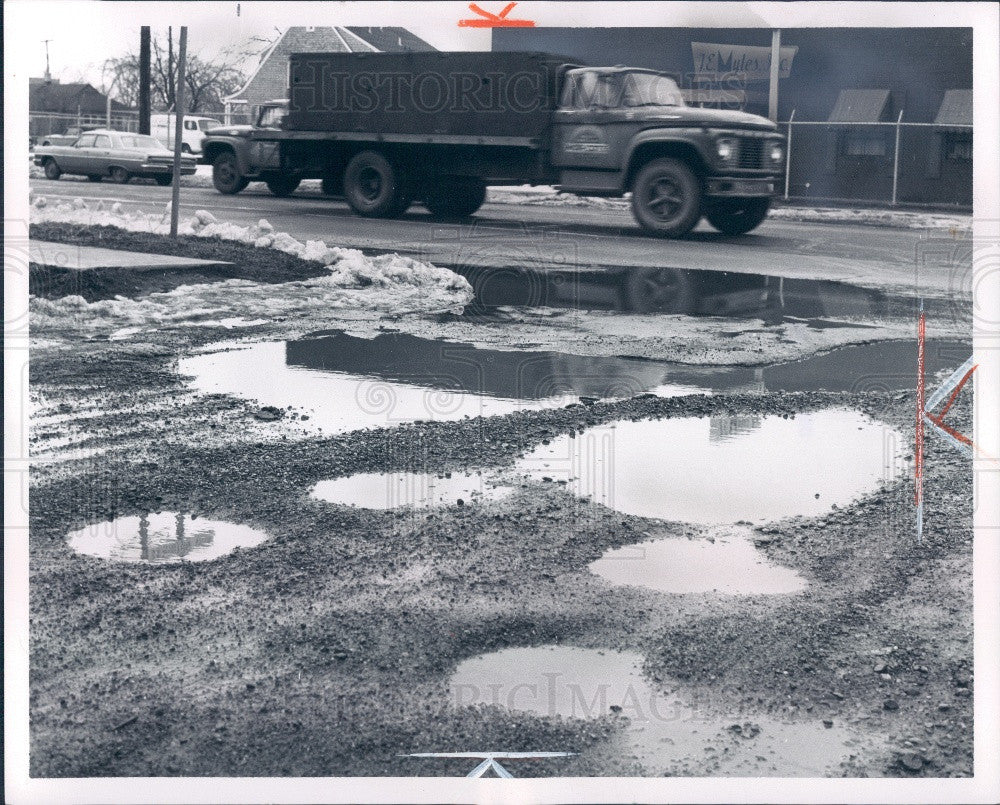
<point>388,283</point>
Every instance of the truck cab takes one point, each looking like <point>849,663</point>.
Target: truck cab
<point>623,129</point>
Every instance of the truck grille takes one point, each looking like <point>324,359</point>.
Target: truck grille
<point>751,153</point>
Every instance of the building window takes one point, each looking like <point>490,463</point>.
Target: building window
<point>958,147</point>
<point>864,144</point>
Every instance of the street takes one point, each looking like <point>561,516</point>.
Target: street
<point>508,235</point>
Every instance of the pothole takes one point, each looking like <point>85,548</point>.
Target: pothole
<point>163,538</point>
<point>726,562</point>
<point>660,728</point>
<point>724,468</point>
<point>407,490</point>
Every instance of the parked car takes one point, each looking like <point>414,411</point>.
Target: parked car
<point>162,127</point>
<point>119,155</point>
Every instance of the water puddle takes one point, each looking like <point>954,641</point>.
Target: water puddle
<point>397,490</point>
<point>727,562</point>
<point>345,382</point>
<point>664,732</point>
<point>691,292</point>
<point>723,468</point>
<point>163,538</point>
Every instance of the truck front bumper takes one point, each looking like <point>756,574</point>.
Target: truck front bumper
<point>735,186</point>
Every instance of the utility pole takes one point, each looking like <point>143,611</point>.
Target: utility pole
<point>48,74</point>
<point>178,132</point>
<point>144,39</point>
<point>772,96</point>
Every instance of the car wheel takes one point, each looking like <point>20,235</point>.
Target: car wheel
<point>331,187</point>
<point>94,177</point>
<point>283,186</point>
<point>372,187</point>
<point>119,175</point>
<point>226,174</point>
<point>737,216</point>
<point>52,170</point>
<point>163,181</point>
<point>455,198</point>
<point>666,198</point>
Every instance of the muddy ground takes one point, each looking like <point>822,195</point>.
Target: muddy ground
<point>316,653</point>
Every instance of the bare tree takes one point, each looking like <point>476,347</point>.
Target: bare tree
<point>207,81</point>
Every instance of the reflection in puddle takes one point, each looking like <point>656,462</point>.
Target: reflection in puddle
<point>346,382</point>
<point>724,468</point>
<point>728,563</point>
<point>162,538</point>
<point>664,733</point>
<point>395,490</point>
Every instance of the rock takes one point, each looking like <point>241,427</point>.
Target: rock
<point>911,761</point>
<point>944,707</point>
<point>268,413</point>
<point>828,723</point>
<point>881,668</point>
<point>890,704</point>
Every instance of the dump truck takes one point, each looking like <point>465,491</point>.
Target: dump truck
<point>386,130</point>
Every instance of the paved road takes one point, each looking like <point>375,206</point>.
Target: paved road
<point>532,235</point>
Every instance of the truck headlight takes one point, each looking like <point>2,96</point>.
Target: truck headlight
<point>726,147</point>
<point>777,152</point>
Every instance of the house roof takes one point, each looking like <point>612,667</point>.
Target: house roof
<point>860,106</point>
<point>69,99</point>
<point>956,108</point>
<point>270,80</point>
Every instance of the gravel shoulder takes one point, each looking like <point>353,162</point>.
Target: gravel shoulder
<point>323,652</point>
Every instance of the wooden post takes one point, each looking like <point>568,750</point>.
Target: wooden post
<point>178,132</point>
<point>144,58</point>
<point>788,154</point>
<point>895,159</point>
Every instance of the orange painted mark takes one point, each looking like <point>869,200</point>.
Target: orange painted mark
<point>939,419</point>
<point>487,19</point>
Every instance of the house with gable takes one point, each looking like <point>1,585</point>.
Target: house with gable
<point>270,80</point>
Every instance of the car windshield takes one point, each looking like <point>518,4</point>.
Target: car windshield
<point>205,125</point>
<point>141,141</point>
<point>607,90</point>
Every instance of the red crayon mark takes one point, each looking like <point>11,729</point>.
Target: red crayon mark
<point>489,20</point>
<point>918,470</point>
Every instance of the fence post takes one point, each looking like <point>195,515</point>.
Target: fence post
<point>788,154</point>
<point>895,159</point>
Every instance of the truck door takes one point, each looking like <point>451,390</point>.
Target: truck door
<point>586,123</point>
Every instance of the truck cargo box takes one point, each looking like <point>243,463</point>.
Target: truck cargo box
<point>477,94</point>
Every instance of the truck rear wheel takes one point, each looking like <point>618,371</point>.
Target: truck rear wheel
<point>283,186</point>
<point>372,187</point>
<point>455,199</point>
<point>737,216</point>
<point>666,198</point>
<point>226,174</point>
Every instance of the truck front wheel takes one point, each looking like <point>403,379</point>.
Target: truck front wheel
<point>283,186</point>
<point>372,187</point>
<point>455,199</point>
<point>666,198</point>
<point>226,174</point>
<point>737,216</point>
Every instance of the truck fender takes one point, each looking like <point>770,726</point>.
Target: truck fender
<point>237,147</point>
<point>687,144</point>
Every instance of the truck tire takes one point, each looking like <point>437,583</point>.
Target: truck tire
<point>666,198</point>
<point>737,216</point>
<point>52,170</point>
<point>226,174</point>
<point>283,186</point>
<point>455,199</point>
<point>372,187</point>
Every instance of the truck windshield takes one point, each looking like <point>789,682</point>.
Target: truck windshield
<point>205,125</point>
<point>271,117</point>
<point>649,89</point>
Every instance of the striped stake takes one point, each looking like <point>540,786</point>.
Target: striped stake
<point>918,464</point>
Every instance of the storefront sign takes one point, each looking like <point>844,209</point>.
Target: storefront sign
<point>751,63</point>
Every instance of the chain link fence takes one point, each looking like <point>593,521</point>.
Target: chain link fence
<point>883,163</point>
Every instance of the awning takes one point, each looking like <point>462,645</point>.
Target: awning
<point>956,108</point>
<point>860,106</point>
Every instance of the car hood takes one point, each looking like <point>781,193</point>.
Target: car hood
<point>241,130</point>
<point>711,118</point>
